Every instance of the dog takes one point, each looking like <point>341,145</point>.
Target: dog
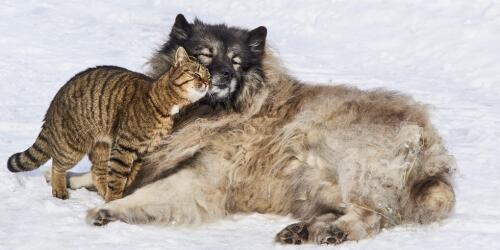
<point>345,162</point>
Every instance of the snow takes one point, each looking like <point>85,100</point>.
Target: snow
<point>445,53</point>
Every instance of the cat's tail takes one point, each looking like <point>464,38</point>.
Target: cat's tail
<point>31,158</point>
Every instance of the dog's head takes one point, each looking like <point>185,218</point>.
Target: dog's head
<point>229,53</point>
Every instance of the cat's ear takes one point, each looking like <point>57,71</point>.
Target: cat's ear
<point>181,56</point>
<point>181,29</point>
<point>257,40</point>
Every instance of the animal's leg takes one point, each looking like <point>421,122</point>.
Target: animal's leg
<point>133,173</point>
<point>355,224</point>
<point>434,200</point>
<point>298,233</point>
<point>184,198</point>
<point>58,178</point>
<point>120,167</point>
<point>74,180</point>
<point>58,174</point>
<point>86,180</point>
<point>80,180</point>
<point>99,156</point>
<point>65,155</point>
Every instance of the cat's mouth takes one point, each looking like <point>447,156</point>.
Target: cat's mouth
<point>196,93</point>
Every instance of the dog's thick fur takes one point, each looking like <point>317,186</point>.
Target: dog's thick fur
<point>343,161</point>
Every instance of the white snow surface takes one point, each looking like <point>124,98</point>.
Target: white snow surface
<point>445,53</point>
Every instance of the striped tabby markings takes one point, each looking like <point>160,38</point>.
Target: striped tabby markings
<point>115,116</point>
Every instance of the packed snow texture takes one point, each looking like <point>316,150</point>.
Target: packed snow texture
<point>444,53</point>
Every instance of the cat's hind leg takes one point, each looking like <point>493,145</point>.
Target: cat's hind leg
<point>94,180</point>
<point>99,156</point>
<point>58,174</point>
<point>67,151</point>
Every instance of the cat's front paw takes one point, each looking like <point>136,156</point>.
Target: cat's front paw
<point>99,217</point>
<point>61,193</point>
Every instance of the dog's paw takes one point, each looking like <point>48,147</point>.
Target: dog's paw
<point>332,235</point>
<point>48,176</point>
<point>296,233</point>
<point>99,217</point>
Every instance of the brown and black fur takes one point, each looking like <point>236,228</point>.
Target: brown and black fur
<point>344,162</point>
<point>114,115</point>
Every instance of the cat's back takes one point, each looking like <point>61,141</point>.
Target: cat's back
<point>101,75</point>
<point>97,88</point>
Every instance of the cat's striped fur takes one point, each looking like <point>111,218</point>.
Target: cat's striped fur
<point>115,116</point>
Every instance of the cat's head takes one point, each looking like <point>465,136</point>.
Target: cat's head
<point>190,78</point>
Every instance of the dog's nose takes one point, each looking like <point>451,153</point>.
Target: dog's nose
<point>228,73</point>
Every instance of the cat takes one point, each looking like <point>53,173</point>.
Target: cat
<point>115,116</point>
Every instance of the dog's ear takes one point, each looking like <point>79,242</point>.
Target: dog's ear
<point>181,56</point>
<point>257,40</point>
<point>181,29</point>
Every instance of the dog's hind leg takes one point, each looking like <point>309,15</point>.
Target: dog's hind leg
<point>434,200</point>
<point>355,224</point>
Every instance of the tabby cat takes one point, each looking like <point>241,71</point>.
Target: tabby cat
<point>116,116</point>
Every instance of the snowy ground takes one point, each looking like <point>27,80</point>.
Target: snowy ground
<point>445,53</point>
